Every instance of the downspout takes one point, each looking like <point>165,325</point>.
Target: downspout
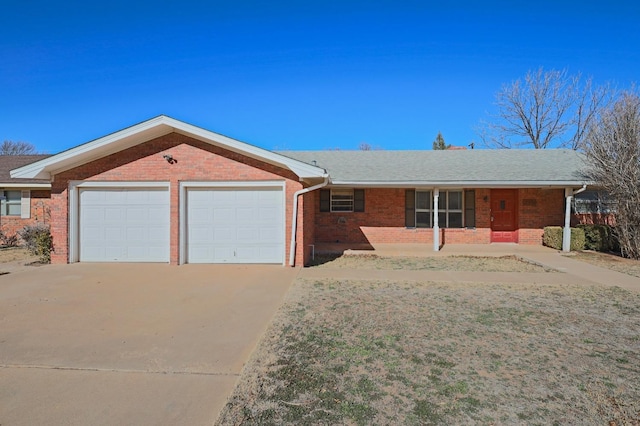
<point>566,232</point>
<point>294,219</point>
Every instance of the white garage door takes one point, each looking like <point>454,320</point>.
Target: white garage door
<point>235,225</point>
<point>124,225</point>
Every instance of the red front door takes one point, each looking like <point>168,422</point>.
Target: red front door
<point>504,215</point>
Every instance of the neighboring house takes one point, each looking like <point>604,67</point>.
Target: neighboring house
<point>166,191</point>
<point>22,201</point>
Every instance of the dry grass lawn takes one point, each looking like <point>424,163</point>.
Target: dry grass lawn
<point>363,352</point>
<point>13,254</point>
<point>610,261</point>
<point>436,263</point>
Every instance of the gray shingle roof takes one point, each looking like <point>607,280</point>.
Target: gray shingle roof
<point>480,166</point>
<point>10,162</point>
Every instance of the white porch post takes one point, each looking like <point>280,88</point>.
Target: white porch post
<point>566,232</point>
<point>436,228</point>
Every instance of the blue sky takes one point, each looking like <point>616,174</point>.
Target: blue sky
<point>293,75</point>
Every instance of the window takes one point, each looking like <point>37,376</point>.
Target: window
<point>342,200</point>
<point>10,204</point>
<point>419,211</point>
<point>592,202</point>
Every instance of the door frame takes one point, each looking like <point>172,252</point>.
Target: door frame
<point>516,213</point>
<point>184,186</point>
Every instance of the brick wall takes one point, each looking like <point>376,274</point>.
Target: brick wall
<point>40,213</point>
<point>196,161</point>
<point>383,220</point>
<point>539,208</point>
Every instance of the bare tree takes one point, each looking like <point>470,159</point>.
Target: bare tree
<point>17,148</point>
<point>364,146</point>
<point>613,155</point>
<point>546,109</point>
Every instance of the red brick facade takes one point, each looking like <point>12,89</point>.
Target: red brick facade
<point>383,220</point>
<point>196,161</point>
<point>40,213</point>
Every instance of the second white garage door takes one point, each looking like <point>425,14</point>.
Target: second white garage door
<point>235,225</point>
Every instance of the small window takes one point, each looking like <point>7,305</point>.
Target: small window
<point>11,203</point>
<point>342,200</point>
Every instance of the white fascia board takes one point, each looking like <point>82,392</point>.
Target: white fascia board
<point>26,185</point>
<point>458,184</point>
<point>152,129</point>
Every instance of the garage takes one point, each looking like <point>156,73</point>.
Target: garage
<point>235,225</point>
<point>124,224</point>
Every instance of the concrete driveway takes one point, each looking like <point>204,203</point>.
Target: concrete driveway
<point>129,344</point>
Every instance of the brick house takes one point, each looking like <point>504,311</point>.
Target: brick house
<point>22,201</point>
<point>166,191</point>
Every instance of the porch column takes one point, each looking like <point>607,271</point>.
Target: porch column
<point>436,228</point>
<point>566,232</point>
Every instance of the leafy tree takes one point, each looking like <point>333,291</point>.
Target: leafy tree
<point>546,109</point>
<point>439,143</point>
<point>17,148</point>
<point>613,156</point>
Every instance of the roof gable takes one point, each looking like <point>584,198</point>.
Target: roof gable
<point>148,130</point>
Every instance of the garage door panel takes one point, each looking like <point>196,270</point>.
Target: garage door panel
<point>247,225</point>
<point>222,215</point>
<point>124,224</point>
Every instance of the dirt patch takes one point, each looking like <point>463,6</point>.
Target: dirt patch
<point>610,261</point>
<point>440,263</point>
<point>350,352</point>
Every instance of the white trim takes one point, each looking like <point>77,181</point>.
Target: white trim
<point>233,184</point>
<point>151,129</point>
<point>182,208</point>
<point>74,207</point>
<point>118,184</point>
<point>456,184</point>
<point>26,185</point>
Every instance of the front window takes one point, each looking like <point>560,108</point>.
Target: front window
<point>450,208</point>
<point>592,202</point>
<point>10,203</point>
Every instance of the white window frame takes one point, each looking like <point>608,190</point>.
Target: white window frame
<point>6,203</point>
<point>347,201</point>
<point>442,208</point>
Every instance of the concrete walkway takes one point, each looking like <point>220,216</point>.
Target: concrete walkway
<point>572,271</point>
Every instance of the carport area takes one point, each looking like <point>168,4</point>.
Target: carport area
<point>129,343</point>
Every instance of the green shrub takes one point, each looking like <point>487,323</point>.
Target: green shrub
<point>577,239</point>
<point>552,237</point>
<point>599,237</point>
<point>38,240</point>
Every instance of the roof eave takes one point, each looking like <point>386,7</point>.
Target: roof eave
<point>150,129</point>
<point>459,184</point>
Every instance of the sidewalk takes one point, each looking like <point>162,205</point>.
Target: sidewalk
<point>571,271</point>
